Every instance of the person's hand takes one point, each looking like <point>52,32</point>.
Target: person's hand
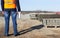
<point>18,12</point>
<point>3,12</point>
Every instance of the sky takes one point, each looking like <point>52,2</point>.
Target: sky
<point>43,5</point>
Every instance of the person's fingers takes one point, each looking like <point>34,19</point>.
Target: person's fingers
<point>3,12</point>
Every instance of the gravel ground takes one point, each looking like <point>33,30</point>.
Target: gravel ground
<point>30,29</point>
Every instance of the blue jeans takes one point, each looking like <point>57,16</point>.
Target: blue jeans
<point>7,18</point>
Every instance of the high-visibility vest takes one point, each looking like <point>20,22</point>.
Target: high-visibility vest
<point>8,4</point>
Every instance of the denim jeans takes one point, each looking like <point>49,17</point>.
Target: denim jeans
<point>7,18</point>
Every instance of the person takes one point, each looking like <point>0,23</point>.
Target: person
<point>10,7</point>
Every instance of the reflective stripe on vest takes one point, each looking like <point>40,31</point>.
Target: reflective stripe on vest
<point>9,4</point>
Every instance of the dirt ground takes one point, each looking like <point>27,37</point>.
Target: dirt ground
<point>30,29</point>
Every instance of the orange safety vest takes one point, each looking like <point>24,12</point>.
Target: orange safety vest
<point>8,4</point>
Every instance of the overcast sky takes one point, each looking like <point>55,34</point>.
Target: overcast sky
<point>45,5</point>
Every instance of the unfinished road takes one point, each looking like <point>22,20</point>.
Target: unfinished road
<point>30,29</point>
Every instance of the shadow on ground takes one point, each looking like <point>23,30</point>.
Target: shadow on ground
<point>28,30</point>
<point>31,29</point>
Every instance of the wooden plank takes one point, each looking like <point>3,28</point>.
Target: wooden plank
<point>51,23</point>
